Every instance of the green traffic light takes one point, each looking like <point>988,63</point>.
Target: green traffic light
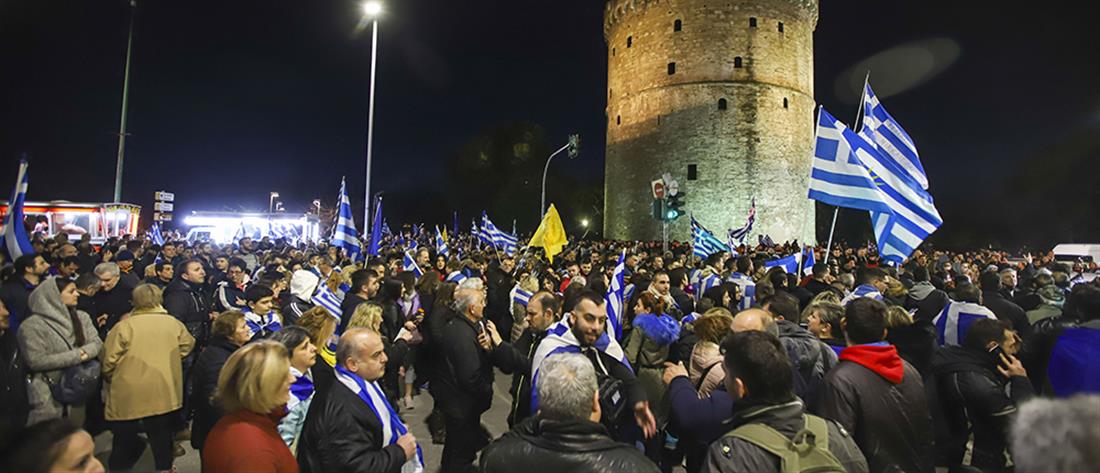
<point>672,214</point>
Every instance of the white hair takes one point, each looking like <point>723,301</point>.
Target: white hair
<point>106,269</point>
<point>464,298</point>
<point>471,283</point>
<point>566,386</point>
<point>1057,435</point>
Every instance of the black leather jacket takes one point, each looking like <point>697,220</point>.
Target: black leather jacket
<point>341,433</point>
<point>577,446</point>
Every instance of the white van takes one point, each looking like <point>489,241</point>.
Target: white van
<point>1072,252</point>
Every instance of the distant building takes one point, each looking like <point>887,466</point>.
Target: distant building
<point>720,95</point>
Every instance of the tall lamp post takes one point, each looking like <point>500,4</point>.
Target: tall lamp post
<point>371,10</point>
<point>271,202</point>
<point>125,100</point>
<point>573,146</point>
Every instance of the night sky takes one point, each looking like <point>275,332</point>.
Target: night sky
<point>231,100</point>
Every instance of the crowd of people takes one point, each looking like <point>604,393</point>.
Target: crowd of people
<point>624,357</point>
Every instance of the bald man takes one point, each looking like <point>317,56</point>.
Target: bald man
<point>754,319</point>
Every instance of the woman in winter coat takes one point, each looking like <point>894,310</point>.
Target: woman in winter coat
<point>647,350</point>
<point>705,370</point>
<point>143,379</point>
<point>228,333</point>
<point>303,355</point>
<point>55,337</point>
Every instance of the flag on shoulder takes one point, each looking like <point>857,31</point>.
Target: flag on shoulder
<point>954,320</point>
<point>16,242</point>
<point>704,243</point>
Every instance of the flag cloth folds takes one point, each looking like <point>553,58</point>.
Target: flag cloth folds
<point>808,261</point>
<point>899,174</point>
<point>788,263</point>
<point>703,242</point>
<point>838,176</point>
<point>954,320</point>
<point>392,426</point>
<point>441,244</point>
<point>560,339</point>
<point>16,242</point>
<point>616,298</point>
<point>740,234</point>
<point>343,233</point>
<point>410,265</point>
<point>550,236</point>
<point>155,234</point>
<point>496,237</point>
<point>377,228</point>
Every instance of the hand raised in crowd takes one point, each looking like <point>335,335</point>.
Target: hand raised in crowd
<point>673,371</point>
<point>644,418</point>
<point>1010,366</point>
<point>407,443</point>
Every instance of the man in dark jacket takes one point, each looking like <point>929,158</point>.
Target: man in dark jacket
<point>1001,306</point>
<point>14,404</point>
<point>515,358</point>
<point>565,435</point>
<point>364,286</point>
<point>29,271</point>
<point>187,300</point>
<point>499,284</point>
<point>820,280</point>
<point>465,382</point>
<point>342,431</point>
<point>113,296</point>
<point>696,422</point>
<point>924,298</point>
<point>756,376</point>
<point>163,273</point>
<point>971,381</point>
<point>877,396</point>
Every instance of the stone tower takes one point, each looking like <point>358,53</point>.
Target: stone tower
<point>718,93</point>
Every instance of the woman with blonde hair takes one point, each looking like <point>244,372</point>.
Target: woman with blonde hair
<point>143,379</point>
<point>253,388</point>
<point>367,315</point>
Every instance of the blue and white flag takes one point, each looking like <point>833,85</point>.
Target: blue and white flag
<point>788,263</point>
<point>703,242</point>
<point>520,296</point>
<point>441,245</point>
<point>863,290</point>
<point>343,233</point>
<point>955,319</point>
<point>898,173</point>
<point>496,237</point>
<point>838,175</point>
<point>560,339</point>
<point>392,427</point>
<point>808,261</point>
<point>16,242</point>
<point>378,227</point>
<point>385,225</point>
<point>615,298</point>
<point>740,234</point>
<point>328,299</point>
<point>410,265</point>
<point>257,323</point>
<point>456,277</point>
<point>748,289</point>
<point>301,390</point>
<point>155,234</point>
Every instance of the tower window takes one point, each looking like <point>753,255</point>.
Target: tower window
<point>780,26</point>
<point>784,102</point>
<point>629,41</point>
<point>693,172</point>
<point>722,104</point>
<point>752,22</point>
<point>612,51</point>
<point>677,25</point>
<point>671,68</point>
<point>610,93</point>
<point>737,62</point>
<point>618,119</point>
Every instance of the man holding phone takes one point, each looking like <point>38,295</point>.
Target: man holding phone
<point>980,384</point>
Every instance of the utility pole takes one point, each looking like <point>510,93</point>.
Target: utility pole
<point>125,101</point>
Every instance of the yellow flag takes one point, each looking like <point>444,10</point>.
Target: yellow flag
<point>444,234</point>
<point>551,234</point>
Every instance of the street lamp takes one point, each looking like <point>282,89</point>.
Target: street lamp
<point>125,100</point>
<point>371,10</point>
<point>271,202</point>
<point>584,223</point>
<point>573,145</point>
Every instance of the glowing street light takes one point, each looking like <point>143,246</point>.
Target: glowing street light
<point>372,8</point>
<point>271,202</point>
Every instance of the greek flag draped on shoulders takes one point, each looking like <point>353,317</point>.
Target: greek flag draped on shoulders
<point>456,277</point>
<point>560,339</point>
<point>392,427</point>
<point>520,296</point>
<point>864,290</point>
<point>256,323</point>
<point>953,321</point>
<point>748,289</point>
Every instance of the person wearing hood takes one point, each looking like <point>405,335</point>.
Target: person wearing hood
<point>810,357</point>
<point>55,337</point>
<point>924,298</point>
<point>303,283</point>
<point>877,396</point>
<point>143,380</point>
<point>1051,299</point>
<point>980,384</point>
<point>765,405</point>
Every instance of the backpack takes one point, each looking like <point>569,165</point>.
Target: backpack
<point>807,452</point>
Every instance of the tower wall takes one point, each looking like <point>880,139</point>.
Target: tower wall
<point>759,146</point>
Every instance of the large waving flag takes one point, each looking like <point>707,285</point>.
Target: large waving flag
<point>954,320</point>
<point>838,176</point>
<point>550,236</point>
<point>739,234</point>
<point>155,234</point>
<point>899,174</point>
<point>441,244</point>
<point>496,237</point>
<point>343,233</point>
<point>703,242</point>
<point>16,242</point>
<point>376,230</point>
<point>788,263</point>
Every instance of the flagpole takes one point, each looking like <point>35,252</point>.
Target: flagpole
<point>836,209</point>
<point>370,117</point>
<point>125,101</point>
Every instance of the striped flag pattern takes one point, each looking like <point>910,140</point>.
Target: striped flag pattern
<point>16,242</point>
<point>441,244</point>
<point>615,298</point>
<point>496,237</point>
<point>344,234</point>
<point>703,241</point>
<point>740,234</point>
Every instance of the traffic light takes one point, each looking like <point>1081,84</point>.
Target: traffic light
<point>658,209</point>
<point>674,206</point>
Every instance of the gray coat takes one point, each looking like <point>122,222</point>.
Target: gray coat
<point>46,352</point>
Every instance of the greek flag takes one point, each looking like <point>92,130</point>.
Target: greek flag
<point>788,263</point>
<point>765,241</point>
<point>838,176</point>
<point>456,277</point>
<point>441,244</point>
<point>378,227</point>
<point>410,265</point>
<point>703,241</point>
<point>155,235</point>
<point>808,261</point>
<point>16,242</point>
<point>491,235</point>
<point>331,301</point>
<point>256,323</point>
<point>392,427</point>
<point>520,296</point>
<point>864,290</point>
<point>344,234</point>
<point>739,234</point>
<point>955,319</point>
<point>901,177</point>
<point>560,339</point>
<point>748,289</point>
<point>385,225</point>
<point>615,297</point>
